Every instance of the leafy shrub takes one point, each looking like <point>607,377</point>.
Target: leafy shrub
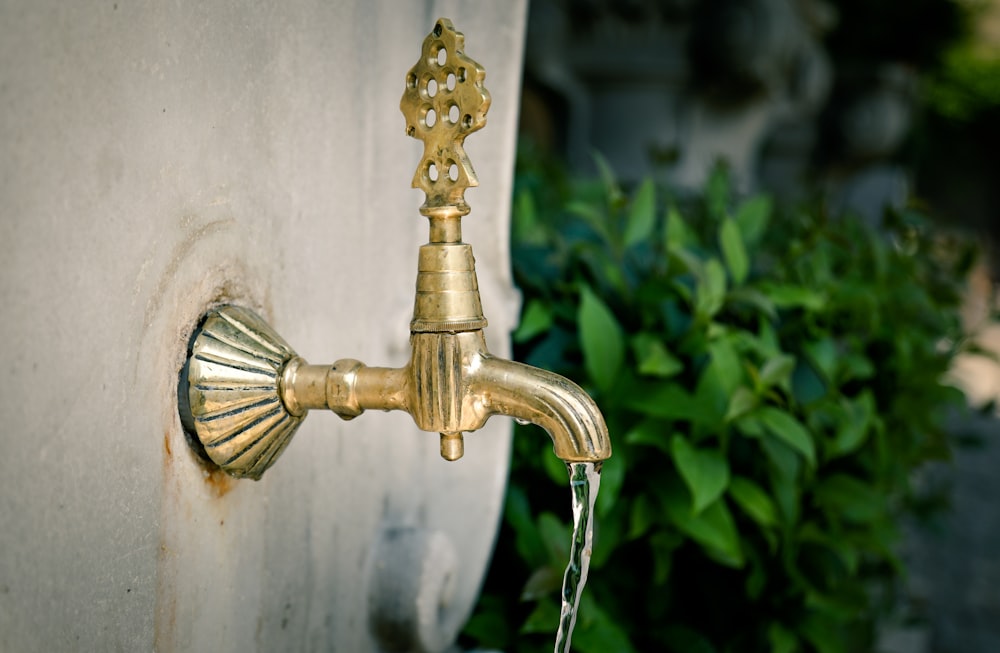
<point>770,379</point>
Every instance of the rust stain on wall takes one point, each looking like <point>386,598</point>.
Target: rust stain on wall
<point>219,482</point>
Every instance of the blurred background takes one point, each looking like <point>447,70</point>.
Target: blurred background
<point>871,102</point>
<point>864,108</point>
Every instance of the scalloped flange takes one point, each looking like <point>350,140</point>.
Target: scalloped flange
<point>234,402</point>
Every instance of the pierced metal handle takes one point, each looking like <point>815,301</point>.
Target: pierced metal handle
<point>444,102</point>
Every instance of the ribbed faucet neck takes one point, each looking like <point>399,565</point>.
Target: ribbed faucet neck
<point>447,298</point>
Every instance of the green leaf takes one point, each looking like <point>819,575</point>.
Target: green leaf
<point>591,214</point>
<point>679,235</point>
<point>785,490</point>
<point>850,498</point>
<point>781,639</point>
<point>787,463</point>
<point>542,582</point>
<point>526,227</point>
<point>734,251</point>
<point>790,296</point>
<point>667,400</point>
<point>752,217</point>
<point>711,291</point>
<point>727,363</point>
<point>601,338</point>
<point>717,192</point>
<point>712,395</point>
<point>662,546</point>
<point>768,338</point>
<point>642,516</point>
<point>555,536</point>
<point>555,468</point>
<point>705,472</point>
<point>681,639</point>
<point>808,385</point>
<point>853,428</point>
<point>788,429</point>
<point>823,633</point>
<point>536,319</point>
<point>757,576</point>
<point>596,632</point>
<point>749,426</point>
<point>612,190</point>
<point>527,539</point>
<point>754,299</point>
<point>823,354</point>
<point>857,366</point>
<point>543,619</point>
<point>653,358</point>
<point>650,432</point>
<point>610,531</point>
<point>753,500</point>
<point>846,551</point>
<point>642,216</point>
<point>777,371</point>
<point>741,402</point>
<point>714,528</point>
<point>612,478</point>
<point>488,626</point>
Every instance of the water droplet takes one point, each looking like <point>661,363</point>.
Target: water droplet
<point>522,421</point>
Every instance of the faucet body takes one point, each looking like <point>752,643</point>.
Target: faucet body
<point>453,384</point>
<point>244,391</point>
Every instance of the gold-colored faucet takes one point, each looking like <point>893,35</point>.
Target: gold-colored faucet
<point>244,391</point>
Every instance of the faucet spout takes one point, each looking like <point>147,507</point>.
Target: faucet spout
<point>561,407</point>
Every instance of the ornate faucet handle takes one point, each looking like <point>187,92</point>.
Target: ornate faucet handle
<point>444,102</point>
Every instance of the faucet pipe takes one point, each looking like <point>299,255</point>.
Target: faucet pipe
<point>453,384</point>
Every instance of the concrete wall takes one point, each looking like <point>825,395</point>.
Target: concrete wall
<point>162,157</point>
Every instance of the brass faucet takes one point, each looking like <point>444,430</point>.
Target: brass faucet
<point>244,391</point>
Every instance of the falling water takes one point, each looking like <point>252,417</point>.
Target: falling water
<point>584,481</point>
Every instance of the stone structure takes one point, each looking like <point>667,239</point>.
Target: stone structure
<point>162,157</point>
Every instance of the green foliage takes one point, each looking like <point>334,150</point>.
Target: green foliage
<point>967,83</point>
<point>770,379</point>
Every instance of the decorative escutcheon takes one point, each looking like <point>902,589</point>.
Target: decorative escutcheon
<point>230,392</point>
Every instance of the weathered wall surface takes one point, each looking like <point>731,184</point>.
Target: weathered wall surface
<point>162,157</point>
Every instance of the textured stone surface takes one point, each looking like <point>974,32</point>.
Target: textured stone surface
<point>954,581</point>
<point>954,566</point>
<point>161,157</point>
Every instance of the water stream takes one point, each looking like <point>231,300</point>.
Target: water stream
<point>584,482</point>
